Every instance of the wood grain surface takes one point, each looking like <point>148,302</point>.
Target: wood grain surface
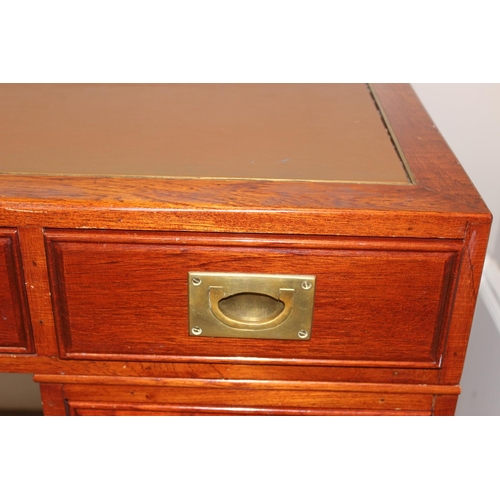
<point>465,302</point>
<point>87,396</point>
<point>438,205</point>
<point>53,400</point>
<point>445,405</point>
<point>93,268</point>
<point>251,396</point>
<point>129,301</point>
<point>215,370</point>
<point>32,243</point>
<point>432,163</point>
<point>15,326</point>
<point>94,408</point>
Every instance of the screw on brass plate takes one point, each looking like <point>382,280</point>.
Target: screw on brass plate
<point>303,334</point>
<point>196,330</point>
<point>196,281</point>
<point>306,285</point>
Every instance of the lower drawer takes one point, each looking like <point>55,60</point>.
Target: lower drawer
<point>94,408</point>
<point>64,395</point>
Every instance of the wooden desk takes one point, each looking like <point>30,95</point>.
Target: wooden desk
<point>112,194</point>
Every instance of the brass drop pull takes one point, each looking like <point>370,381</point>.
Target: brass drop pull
<point>249,310</point>
<point>260,306</point>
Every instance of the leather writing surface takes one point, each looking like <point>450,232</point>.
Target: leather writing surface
<point>328,132</point>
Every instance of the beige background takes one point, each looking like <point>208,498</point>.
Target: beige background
<point>468,116</point>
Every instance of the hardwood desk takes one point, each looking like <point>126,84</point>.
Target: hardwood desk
<point>234,249</point>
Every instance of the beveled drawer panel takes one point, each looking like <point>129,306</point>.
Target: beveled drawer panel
<point>101,395</point>
<point>15,330</point>
<point>107,395</point>
<point>96,408</point>
<point>378,302</point>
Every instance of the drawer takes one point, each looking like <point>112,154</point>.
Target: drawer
<point>15,326</point>
<point>99,409</point>
<point>82,396</point>
<point>120,295</point>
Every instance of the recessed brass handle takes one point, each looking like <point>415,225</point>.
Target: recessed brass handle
<point>250,306</point>
<point>251,310</point>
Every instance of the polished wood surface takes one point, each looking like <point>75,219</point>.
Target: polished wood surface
<point>136,396</point>
<point>32,245</point>
<point>445,405</point>
<point>213,370</point>
<point>465,300</point>
<point>93,408</point>
<point>246,396</point>
<point>218,383</point>
<point>124,296</point>
<point>95,267</point>
<point>15,327</point>
<point>432,163</point>
<point>53,401</point>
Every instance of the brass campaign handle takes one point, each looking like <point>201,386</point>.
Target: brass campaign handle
<point>251,310</point>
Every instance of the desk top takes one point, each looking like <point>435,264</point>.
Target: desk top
<point>322,132</point>
<point>179,158</point>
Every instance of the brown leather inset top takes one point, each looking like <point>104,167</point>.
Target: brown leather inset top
<point>325,132</point>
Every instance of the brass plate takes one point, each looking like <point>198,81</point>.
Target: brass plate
<point>253,306</point>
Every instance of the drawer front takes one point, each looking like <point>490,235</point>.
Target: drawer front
<point>131,396</point>
<point>15,330</point>
<point>97,408</point>
<point>98,395</point>
<point>125,296</point>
